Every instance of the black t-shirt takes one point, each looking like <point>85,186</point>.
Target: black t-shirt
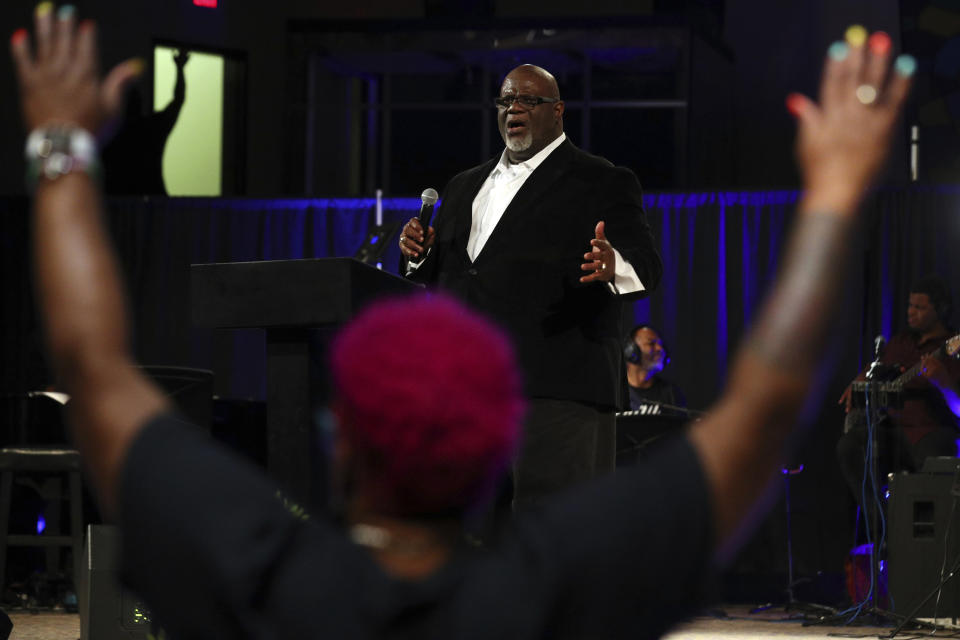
<point>661,391</point>
<point>214,554</point>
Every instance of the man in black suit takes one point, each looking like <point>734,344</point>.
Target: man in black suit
<point>509,240</point>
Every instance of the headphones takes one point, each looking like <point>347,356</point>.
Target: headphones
<point>632,352</point>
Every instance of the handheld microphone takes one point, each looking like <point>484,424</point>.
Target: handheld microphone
<point>878,344</point>
<point>428,198</point>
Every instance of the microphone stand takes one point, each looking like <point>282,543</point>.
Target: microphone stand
<point>812,613</point>
<point>873,422</point>
<point>874,614</point>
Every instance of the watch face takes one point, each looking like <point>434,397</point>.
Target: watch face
<point>60,140</point>
<point>57,151</point>
<point>68,140</point>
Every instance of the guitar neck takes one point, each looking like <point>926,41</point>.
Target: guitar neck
<point>912,372</point>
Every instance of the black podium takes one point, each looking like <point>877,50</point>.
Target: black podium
<point>292,300</point>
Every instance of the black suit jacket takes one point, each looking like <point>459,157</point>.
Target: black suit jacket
<point>568,335</point>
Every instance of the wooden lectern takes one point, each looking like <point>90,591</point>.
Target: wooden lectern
<point>291,300</point>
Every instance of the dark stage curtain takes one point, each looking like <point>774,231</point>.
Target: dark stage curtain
<point>720,251</point>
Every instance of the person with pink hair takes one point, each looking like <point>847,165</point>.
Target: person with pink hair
<point>398,427</point>
<point>215,554</point>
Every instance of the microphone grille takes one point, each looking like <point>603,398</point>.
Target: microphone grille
<point>429,196</point>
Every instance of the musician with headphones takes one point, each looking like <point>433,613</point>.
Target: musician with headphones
<point>925,425</point>
<point>646,356</point>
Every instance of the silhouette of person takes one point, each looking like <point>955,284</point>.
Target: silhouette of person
<point>133,160</point>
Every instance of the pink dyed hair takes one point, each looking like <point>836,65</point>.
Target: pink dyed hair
<point>430,394</point>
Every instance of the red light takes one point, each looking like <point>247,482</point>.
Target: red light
<point>210,4</point>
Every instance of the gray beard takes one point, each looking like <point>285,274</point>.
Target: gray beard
<point>519,144</point>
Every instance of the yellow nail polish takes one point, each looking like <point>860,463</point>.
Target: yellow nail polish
<point>856,35</point>
<point>44,9</point>
<point>137,66</point>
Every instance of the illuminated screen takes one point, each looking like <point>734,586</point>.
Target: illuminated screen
<point>192,159</point>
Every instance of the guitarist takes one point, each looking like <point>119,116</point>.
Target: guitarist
<point>925,425</point>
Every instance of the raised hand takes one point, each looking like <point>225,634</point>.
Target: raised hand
<point>59,80</point>
<point>412,244</point>
<point>601,259</point>
<point>841,145</point>
<point>181,57</point>
<point>843,141</point>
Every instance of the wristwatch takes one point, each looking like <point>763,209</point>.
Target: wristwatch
<point>55,151</point>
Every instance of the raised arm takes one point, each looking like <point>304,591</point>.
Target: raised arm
<point>171,112</point>
<point>64,102</point>
<point>841,145</point>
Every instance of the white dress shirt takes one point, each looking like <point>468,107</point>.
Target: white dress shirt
<point>498,191</point>
<point>496,194</point>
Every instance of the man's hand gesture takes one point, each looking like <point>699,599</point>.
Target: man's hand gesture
<point>601,259</point>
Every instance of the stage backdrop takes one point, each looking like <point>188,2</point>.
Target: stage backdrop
<point>720,251</point>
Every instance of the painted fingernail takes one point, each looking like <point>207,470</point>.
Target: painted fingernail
<point>879,43</point>
<point>905,65</point>
<point>66,12</point>
<point>44,8</point>
<point>838,51</point>
<point>795,104</point>
<point>856,35</point>
<point>18,36</point>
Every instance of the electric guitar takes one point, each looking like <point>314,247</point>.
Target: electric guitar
<point>889,393</point>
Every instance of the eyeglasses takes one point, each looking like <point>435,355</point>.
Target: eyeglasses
<point>527,102</point>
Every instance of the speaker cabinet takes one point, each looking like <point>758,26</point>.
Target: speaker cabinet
<point>107,610</point>
<point>924,527</point>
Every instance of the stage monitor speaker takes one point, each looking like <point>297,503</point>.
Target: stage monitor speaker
<point>107,610</point>
<point>924,527</point>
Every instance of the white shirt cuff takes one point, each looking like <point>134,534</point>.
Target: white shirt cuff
<point>625,278</point>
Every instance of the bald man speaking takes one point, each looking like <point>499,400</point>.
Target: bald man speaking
<point>549,241</point>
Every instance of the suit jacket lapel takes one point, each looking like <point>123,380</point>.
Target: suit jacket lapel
<point>532,191</point>
<point>464,209</point>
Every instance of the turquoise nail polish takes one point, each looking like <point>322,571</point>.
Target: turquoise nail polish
<point>66,12</point>
<point>905,65</point>
<point>838,50</point>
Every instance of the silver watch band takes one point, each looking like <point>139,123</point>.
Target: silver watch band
<point>55,151</point>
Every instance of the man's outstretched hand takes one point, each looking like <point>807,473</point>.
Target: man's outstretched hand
<point>59,74</point>
<point>601,259</point>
